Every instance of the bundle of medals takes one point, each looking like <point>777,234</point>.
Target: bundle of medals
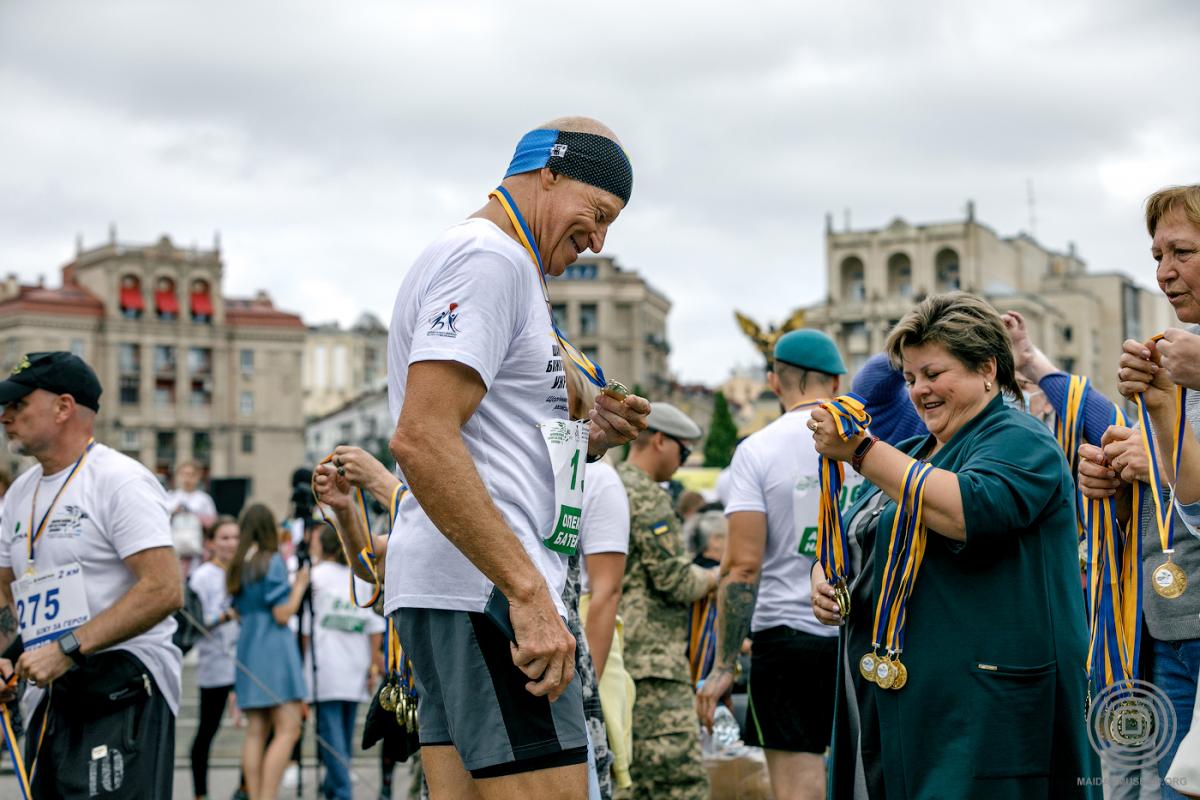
<point>399,693</point>
<point>851,418</point>
<point>906,550</point>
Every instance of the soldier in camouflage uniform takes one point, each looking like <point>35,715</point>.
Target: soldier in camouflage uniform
<point>659,587</point>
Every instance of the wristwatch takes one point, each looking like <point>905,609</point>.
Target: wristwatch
<point>861,451</point>
<point>70,647</point>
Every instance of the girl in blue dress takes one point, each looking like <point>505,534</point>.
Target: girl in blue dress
<point>271,694</point>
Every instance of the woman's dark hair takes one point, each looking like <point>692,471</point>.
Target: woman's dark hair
<point>967,326</point>
<point>258,530</point>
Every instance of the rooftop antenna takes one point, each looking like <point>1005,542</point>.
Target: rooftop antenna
<point>1029,199</point>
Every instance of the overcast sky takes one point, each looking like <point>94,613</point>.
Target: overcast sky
<point>330,142</point>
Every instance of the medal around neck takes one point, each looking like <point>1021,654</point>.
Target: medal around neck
<point>1168,580</point>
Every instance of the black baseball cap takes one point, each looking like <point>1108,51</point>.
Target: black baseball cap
<point>59,372</point>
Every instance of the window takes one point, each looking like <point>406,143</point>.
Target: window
<point>246,404</point>
<point>129,367</point>
<point>202,447</point>
<point>246,362</point>
<point>164,359</point>
<point>200,395</point>
<point>164,393</point>
<point>1068,364</point>
<point>948,278</point>
<point>248,442</point>
<point>899,276</point>
<point>346,432</point>
<point>164,452</point>
<point>588,319</point>
<point>129,390</point>
<point>201,302</point>
<point>560,315</point>
<point>1067,333</point>
<point>131,441</point>
<point>130,297</point>
<point>854,286</point>
<point>857,339</point>
<point>166,303</point>
<point>199,361</point>
<point>340,363</point>
<point>318,362</point>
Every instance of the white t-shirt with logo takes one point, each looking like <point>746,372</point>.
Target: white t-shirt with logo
<point>604,527</point>
<point>474,296</point>
<point>216,651</point>
<point>196,501</point>
<point>775,472</point>
<point>112,509</point>
<point>343,636</point>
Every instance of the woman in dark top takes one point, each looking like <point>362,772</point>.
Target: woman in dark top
<point>996,640</point>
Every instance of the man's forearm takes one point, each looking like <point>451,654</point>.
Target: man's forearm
<point>736,599</point>
<point>354,540</point>
<point>8,622</point>
<point>601,622</point>
<point>147,603</point>
<point>444,480</point>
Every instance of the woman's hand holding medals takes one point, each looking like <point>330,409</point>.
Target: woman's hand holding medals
<point>828,440</point>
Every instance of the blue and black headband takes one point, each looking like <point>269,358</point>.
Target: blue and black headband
<point>595,160</point>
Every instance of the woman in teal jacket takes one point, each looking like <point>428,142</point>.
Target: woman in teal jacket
<point>996,639</point>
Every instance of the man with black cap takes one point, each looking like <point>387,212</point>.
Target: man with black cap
<point>661,583</point>
<point>89,579</point>
<point>774,493</point>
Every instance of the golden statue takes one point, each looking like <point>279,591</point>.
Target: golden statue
<point>765,340</point>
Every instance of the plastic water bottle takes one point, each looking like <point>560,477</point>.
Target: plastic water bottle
<point>725,731</point>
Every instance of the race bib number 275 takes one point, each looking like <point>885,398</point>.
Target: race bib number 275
<point>51,603</point>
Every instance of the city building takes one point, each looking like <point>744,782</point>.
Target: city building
<point>617,319</point>
<point>341,364</point>
<point>364,422</point>
<point>1078,318</point>
<point>188,374</point>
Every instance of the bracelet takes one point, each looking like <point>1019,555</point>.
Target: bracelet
<point>861,451</point>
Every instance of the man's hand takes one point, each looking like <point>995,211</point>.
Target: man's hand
<point>1180,352</point>
<point>1126,454</point>
<point>333,490</point>
<point>615,422</point>
<point>824,601</point>
<point>43,665</point>
<point>716,686</point>
<point>545,649</point>
<point>8,692</point>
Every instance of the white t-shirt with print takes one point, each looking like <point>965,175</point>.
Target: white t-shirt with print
<point>197,501</point>
<point>604,524</point>
<point>216,651</point>
<point>112,509</point>
<point>343,635</point>
<point>474,296</point>
<point>775,472</point>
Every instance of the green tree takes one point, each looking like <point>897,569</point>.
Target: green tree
<point>722,435</point>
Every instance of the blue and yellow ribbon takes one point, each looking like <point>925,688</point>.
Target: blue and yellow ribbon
<point>1163,516</point>
<point>36,533</point>
<point>702,637</point>
<point>24,777</point>
<point>1068,422</point>
<point>851,418</point>
<point>590,369</point>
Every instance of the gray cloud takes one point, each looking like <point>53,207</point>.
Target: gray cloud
<point>329,142</point>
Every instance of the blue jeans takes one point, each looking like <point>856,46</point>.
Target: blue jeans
<point>1176,665</point>
<point>335,726</point>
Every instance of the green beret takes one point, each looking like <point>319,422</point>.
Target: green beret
<point>809,348</point>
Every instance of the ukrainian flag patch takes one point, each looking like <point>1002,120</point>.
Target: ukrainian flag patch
<point>660,527</point>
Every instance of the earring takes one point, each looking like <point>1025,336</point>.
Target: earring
<point>987,386</point>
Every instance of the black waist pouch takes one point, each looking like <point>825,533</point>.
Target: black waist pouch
<point>106,683</point>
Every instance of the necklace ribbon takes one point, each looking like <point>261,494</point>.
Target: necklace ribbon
<point>1163,516</point>
<point>1068,422</point>
<point>851,418</point>
<point>35,534</point>
<point>589,368</point>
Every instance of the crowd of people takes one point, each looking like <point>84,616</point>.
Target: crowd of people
<point>891,571</point>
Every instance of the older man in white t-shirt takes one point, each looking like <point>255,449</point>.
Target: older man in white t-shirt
<point>774,495</point>
<point>85,553</point>
<point>476,383</point>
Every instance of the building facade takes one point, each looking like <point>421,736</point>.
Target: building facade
<point>365,422</point>
<point>1079,319</point>
<point>188,374</point>
<point>340,364</point>
<point>617,319</point>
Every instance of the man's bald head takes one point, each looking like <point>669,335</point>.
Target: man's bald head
<point>580,125</point>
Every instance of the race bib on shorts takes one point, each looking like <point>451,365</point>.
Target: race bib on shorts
<point>566,441</point>
<point>50,603</point>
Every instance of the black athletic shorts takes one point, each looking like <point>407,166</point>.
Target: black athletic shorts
<point>793,678</point>
<point>473,698</point>
<point>109,733</point>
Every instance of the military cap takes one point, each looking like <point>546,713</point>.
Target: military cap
<point>809,348</point>
<point>668,419</point>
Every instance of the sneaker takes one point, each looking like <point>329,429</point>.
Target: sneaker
<point>240,794</point>
<point>291,776</point>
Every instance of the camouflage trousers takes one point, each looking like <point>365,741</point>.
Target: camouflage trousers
<point>666,763</point>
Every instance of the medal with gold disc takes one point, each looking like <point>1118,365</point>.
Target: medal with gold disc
<point>850,418</point>
<point>1168,578</point>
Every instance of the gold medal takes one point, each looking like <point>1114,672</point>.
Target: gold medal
<point>1169,580</point>
<point>412,717</point>
<point>616,390</point>
<point>386,700</point>
<point>842,595</point>
<point>901,675</point>
<point>885,674</point>
<point>867,666</point>
<point>402,712</point>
